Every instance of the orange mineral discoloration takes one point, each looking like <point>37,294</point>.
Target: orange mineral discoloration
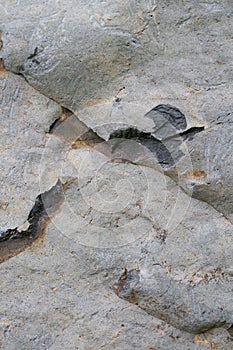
<point>196,174</point>
<point>204,341</point>
<point>11,248</point>
<point>35,242</point>
<point>83,145</point>
<point>65,114</point>
<point>117,287</point>
<point>3,70</point>
<point>38,245</point>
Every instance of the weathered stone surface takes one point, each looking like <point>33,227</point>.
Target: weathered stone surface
<point>190,245</point>
<point>198,158</point>
<point>25,118</point>
<point>162,69</point>
<point>68,303</point>
<point>185,50</point>
<point>211,178</point>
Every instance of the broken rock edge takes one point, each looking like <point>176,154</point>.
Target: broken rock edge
<point>184,134</point>
<point>38,209</point>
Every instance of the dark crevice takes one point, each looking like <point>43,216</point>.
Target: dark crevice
<point>55,124</point>
<point>1,44</point>
<point>190,133</point>
<point>172,114</point>
<point>71,129</point>
<point>35,61</point>
<point>156,147</point>
<point>159,150</point>
<point>163,142</point>
<point>230,331</point>
<point>65,114</point>
<point>47,205</point>
<point>129,133</point>
<point>34,54</point>
<point>223,119</point>
<point>21,74</point>
<point>2,66</point>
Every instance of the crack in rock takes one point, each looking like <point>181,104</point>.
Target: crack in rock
<point>190,133</point>
<point>47,205</point>
<point>155,146</point>
<point>168,120</point>
<point>168,134</point>
<point>70,129</point>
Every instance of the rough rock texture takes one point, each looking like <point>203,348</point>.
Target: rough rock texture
<point>116,128</point>
<point>74,308</point>
<point>26,116</point>
<point>176,51</point>
<point>211,178</point>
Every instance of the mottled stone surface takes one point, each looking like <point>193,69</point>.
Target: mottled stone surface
<point>163,71</point>
<point>26,116</point>
<point>179,52</point>
<point>68,303</point>
<point>210,178</point>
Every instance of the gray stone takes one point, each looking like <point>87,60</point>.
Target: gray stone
<point>112,65</point>
<point>185,50</point>
<point>25,118</point>
<point>68,303</point>
<point>186,281</point>
<point>210,179</point>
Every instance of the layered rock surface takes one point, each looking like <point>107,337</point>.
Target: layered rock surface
<point>116,128</point>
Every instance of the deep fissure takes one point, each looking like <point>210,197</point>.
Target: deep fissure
<point>47,205</point>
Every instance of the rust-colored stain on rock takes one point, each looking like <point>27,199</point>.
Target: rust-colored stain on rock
<point>11,248</point>
<point>83,144</point>
<point>39,218</point>
<point>119,286</point>
<point>3,70</point>
<point>196,174</point>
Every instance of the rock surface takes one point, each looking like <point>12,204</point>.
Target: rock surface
<point>26,116</point>
<point>210,178</point>
<point>127,108</point>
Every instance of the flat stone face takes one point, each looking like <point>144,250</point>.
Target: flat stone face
<point>116,129</point>
<point>81,53</point>
<point>74,307</point>
<point>186,283</point>
<point>25,118</point>
<point>210,179</point>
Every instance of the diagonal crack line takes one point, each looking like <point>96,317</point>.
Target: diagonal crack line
<point>47,205</point>
<point>185,135</point>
